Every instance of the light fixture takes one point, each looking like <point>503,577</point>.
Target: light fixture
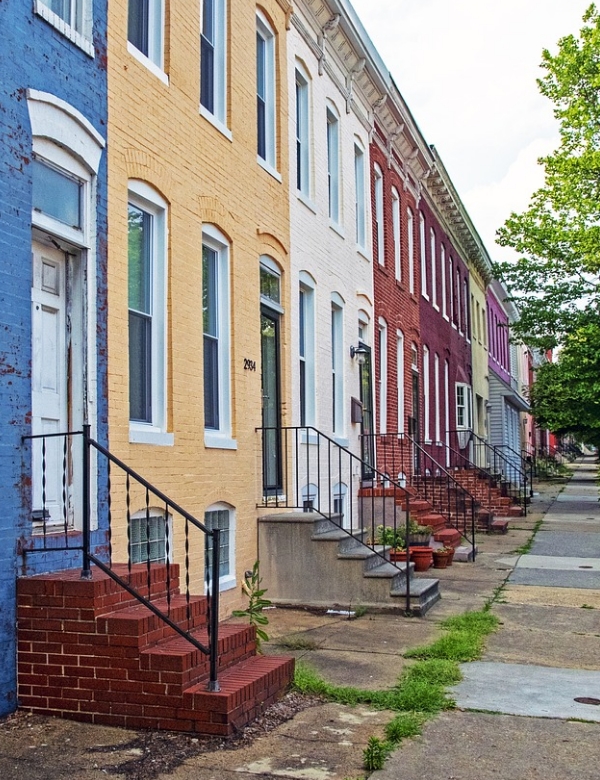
<point>359,353</point>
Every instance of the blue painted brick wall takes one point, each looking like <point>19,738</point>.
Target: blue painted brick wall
<point>33,55</point>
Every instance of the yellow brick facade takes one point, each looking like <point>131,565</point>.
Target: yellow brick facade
<point>479,353</point>
<point>157,135</point>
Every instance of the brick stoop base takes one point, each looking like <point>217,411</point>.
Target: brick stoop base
<point>89,651</point>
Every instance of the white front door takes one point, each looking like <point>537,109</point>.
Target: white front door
<point>51,460</point>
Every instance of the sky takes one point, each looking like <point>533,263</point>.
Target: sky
<point>468,70</point>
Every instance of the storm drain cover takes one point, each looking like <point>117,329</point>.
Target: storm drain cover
<point>586,567</point>
<point>587,700</point>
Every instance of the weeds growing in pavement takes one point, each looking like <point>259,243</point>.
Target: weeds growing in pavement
<point>526,548</point>
<point>420,692</point>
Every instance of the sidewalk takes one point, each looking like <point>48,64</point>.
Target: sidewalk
<point>544,625</point>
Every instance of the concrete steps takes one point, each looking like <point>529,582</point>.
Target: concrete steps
<point>308,560</point>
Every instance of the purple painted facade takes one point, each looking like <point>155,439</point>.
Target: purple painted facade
<point>498,337</point>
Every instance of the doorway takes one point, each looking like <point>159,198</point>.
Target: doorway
<point>366,399</point>
<point>270,326</point>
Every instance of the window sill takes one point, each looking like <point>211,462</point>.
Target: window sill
<point>337,229</point>
<point>424,295</point>
<point>360,250</point>
<point>306,201</point>
<point>226,583</point>
<point>219,441</point>
<point>446,317</point>
<point>147,62</point>
<point>216,123</point>
<point>148,435</point>
<point>82,41</point>
<point>435,306</point>
<point>309,437</point>
<point>269,169</point>
<point>342,442</point>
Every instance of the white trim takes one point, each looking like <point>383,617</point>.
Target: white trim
<point>444,291</point>
<point>423,251</point>
<point>401,398</point>
<point>338,419</point>
<point>310,205</point>
<point>360,204</point>
<point>426,392</point>
<point>142,434</point>
<point>410,223</point>
<point>221,437</point>
<point>219,83</point>
<point>223,129</point>
<point>55,119</point>
<point>397,233</point>
<point>306,286</point>
<point>379,215</point>
<point>433,261</point>
<point>227,581</point>
<point>333,152</point>
<point>142,196</point>
<point>266,32</point>
<point>302,83</point>
<point>436,390</point>
<point>383,374</point>
<point>269,168</point>
<point>81,38</point>
<point>148,63</point>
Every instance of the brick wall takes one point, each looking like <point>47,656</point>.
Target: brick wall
<point>33,55</point>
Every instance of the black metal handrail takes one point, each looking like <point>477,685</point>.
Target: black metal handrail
<point>305,469</point>
<point>400,454</point>
<point>526,464</point>
<point>506,471</point>
<point>118,501</point>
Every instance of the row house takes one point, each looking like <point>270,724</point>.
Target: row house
<point>53,230</point>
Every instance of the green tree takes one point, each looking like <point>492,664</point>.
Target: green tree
<point>555,282</point>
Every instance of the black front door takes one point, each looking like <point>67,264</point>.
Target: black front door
<point>271,407</point>
<point>366,426</point>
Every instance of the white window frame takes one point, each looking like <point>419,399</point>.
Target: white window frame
<point>383,375</point>
<point>78,28</point>
<point>400,379</point>
<point>154,58</point>
<point>379,216</point>
<point>426,392</point>
<point>267,34</point>
<point>226,581</point>
<point>396,233</point>
<point>410,229</point>
<point>221,436</point>
<point>436,396</point>
<point>447,408</point>
<point>218,114</point>
<point>451,289</point>
<point>303,134</point>
<point>464,406</point>
<point>459,315</point>
<point>333,165</point>
<point>144,197</point>
<point>307,296</point>
<point>465,291</point>
<point>337,366</point>
<point>360,196</point>
<point>423,249</point>
<point>444,291</point>
<point>433,260</point>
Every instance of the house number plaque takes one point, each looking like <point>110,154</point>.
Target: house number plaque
<point>249,365</point>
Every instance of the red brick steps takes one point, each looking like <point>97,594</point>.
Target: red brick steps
<point>88,651</point>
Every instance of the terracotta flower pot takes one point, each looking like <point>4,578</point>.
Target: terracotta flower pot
<point>422,557</point>
<point>397,556</point>
<point>450,556</point>
<point>440,559</point>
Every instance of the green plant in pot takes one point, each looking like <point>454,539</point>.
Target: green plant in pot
<point>419,534</point>
<point>391,537</point>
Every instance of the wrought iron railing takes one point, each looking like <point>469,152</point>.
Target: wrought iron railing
<point>415,465</point>
<point>64,478</point>
<point>306,470</point>
<point>503,469</point>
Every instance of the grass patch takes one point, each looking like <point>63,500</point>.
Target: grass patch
<point>587,606</point>
<point>526,548</point>
<point>420,692</point>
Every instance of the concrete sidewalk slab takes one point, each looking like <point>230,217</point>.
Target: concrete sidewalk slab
<point>535,691</point>
<point>551,578</point>
<point>558,563</point>
<point>474,746</point>
<point>560,597</point>
<point>569,544</point>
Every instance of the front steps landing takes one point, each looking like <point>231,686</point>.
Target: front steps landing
<point>308,560</point>
<point>89,651</point>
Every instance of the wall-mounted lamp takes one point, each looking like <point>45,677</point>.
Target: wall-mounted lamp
<point>360,353</point>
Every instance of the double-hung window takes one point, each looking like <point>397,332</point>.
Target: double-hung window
<point>147,310</point>
<point>443,271</point>
<point>145,25</point>
<point>213,59</point>
<point>426,395</point>
<point>379,226</point>
<point>396,233</point>
<point>302,133</point>
<point>337,364</point>
<point>383,376</point>
<point>306,349</point>
<point>410,236</point>
<point>423,250</point>
<point>463,406</point>
<point>359,190</point>
<point>215,319</point>
<point>265,91</point>
<point>433,260</point>
<point>333,165</point>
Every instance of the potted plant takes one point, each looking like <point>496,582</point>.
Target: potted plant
<point>422,557</point>
<point>419,534</point>
<point>440,557</point>
<point>391,537</point>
